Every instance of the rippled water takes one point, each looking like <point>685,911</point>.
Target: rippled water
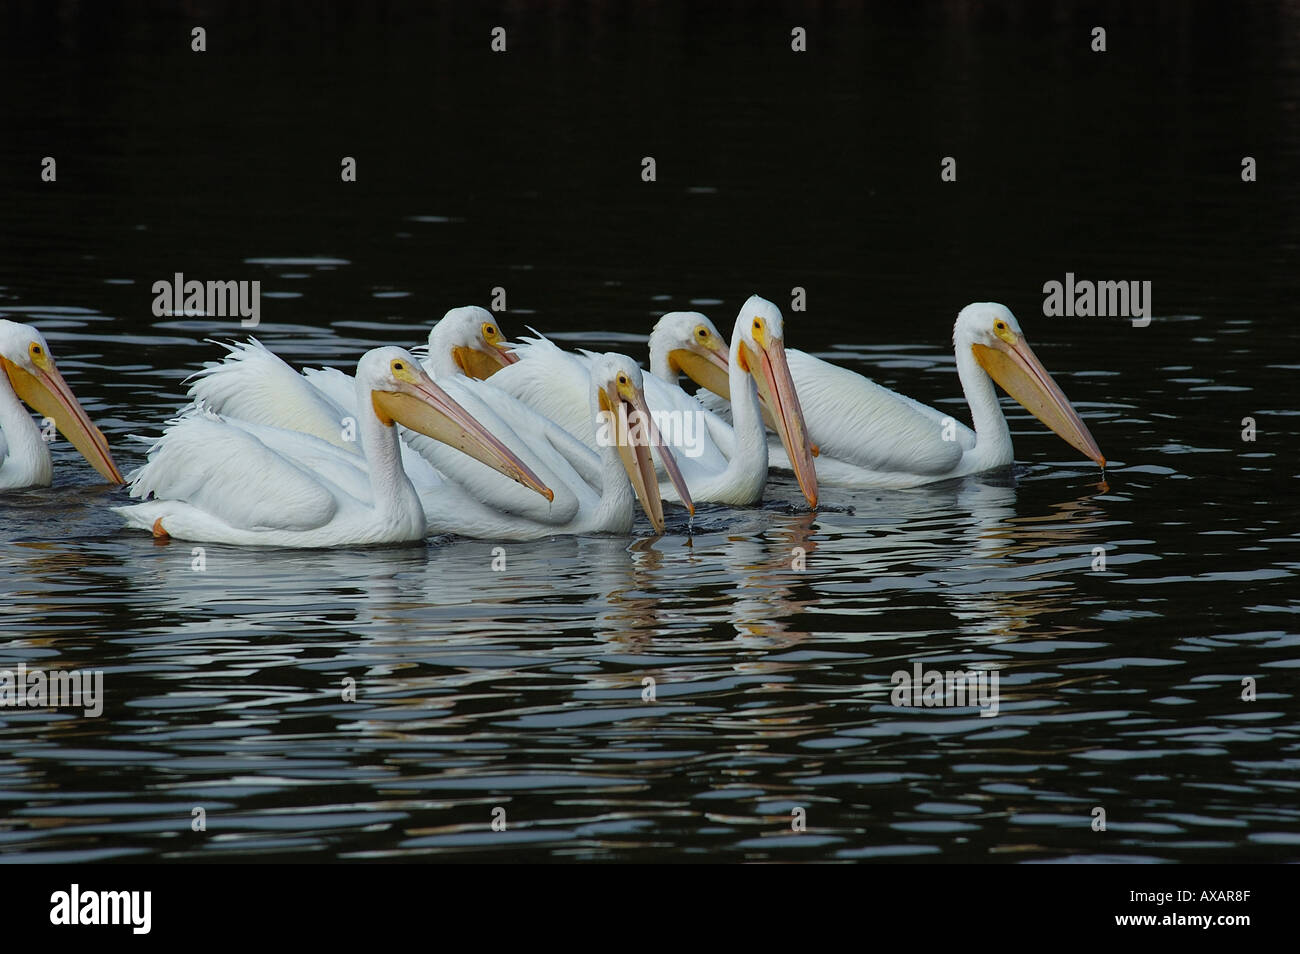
<point>523,689</point>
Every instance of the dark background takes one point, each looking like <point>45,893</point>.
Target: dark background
<point>775,169</point>
<point>822,168</point>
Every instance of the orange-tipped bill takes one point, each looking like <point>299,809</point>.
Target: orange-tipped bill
<point>666,456</point>
<point>423,406</point>
<point>1017,369</point>
<point>47,393</point>
<point>771,373</point>
<point>636,433</point>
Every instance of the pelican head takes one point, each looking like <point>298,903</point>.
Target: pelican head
<point>758,347</point>
<point>628,425</point>
<point>401,392</point>
<point>29,366</point>
<point>467,341</point>
<point>687,342</point>
<point>994,337</point>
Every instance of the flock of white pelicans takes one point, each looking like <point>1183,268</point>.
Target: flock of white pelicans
<point>513,441</point>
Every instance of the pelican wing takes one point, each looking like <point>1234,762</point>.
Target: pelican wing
<point>584,461</point>
<point>253,384</point>
<point>720,405</point>
<point>856,420</point>
<point>701,441</point>
<point>338,386</point>
<point>717,417</point>
<point>720,431</point>
<point>226,472</point>
<point>710,442</point>
<point>555,384</point>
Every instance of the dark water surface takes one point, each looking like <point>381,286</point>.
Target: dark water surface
<point>522,689</point>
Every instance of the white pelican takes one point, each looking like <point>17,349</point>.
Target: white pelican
<point>254,384</point>
<point>593,488</point>
<point>31,375</point>
<point>464,346</point>
<point>220,480</point>
<point>732,464</point>
<point>755,365</point>
<point>688,342</point>
<point>459,494</point>
<point>467,342</point>
<point>870,436</point>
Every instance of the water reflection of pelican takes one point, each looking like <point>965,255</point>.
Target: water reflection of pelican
<point>960,545</point>
<point>768,572</point>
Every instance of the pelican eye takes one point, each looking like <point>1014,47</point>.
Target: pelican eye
<point>622,379</point>
<point>702,332</point>
<point>1000,325</point>
<point>36,350</point>
<point>758,324</point>
<point>490,332</point>
<point>399,366</point>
